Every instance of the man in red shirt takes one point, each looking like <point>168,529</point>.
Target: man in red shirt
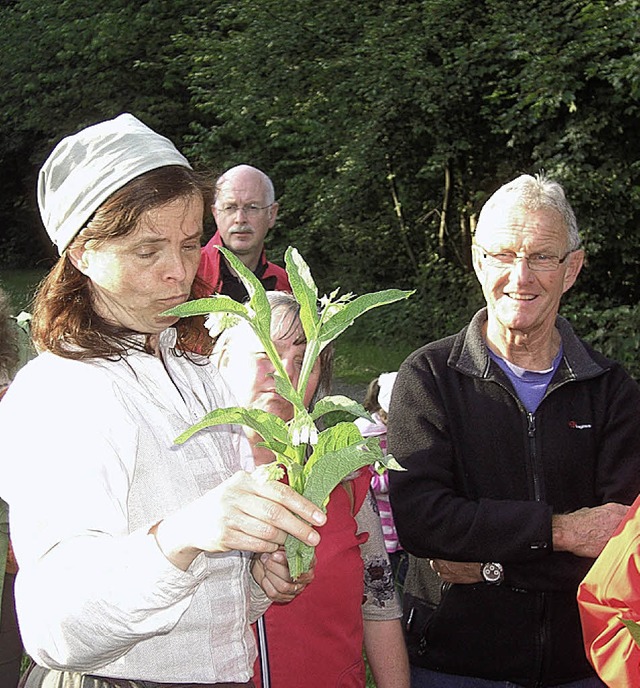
<point>244,209</point>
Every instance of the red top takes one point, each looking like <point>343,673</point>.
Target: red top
<point>316,640</point>
<point>611,592</point>
<point>272,276</point>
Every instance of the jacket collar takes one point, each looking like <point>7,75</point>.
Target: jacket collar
<point>214,254</point>
<point>469,354</point>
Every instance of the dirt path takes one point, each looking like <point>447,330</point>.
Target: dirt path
<point>354,391</point>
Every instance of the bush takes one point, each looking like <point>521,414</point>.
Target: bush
<point>445,300</point>
<point>614,331</point>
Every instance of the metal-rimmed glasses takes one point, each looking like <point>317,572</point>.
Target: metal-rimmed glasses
<point>251,210</point>
<point>538,262</point>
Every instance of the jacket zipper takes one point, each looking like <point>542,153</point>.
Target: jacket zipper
<point>537,494</point>
<point>533,455</point>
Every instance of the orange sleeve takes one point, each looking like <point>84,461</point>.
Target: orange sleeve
<point>611,592</point>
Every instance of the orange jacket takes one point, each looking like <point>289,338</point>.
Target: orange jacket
<point>611,592</point>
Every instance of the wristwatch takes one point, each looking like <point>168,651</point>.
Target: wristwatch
<point>493,573</point>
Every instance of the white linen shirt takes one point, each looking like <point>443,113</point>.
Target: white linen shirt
<point>88,464</point>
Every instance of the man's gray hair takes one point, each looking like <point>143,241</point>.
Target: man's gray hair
<point>533,193</point>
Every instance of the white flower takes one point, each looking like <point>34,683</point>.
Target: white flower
<point>268,471</point>
<point>218,321</point>
<point>303,431</point>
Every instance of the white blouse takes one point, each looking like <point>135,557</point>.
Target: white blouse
<point>88,464</point>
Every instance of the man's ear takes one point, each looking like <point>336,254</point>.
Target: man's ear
<point>77,256</point>
<point>576,261</point>
<point>476,257</point>
<point>273,213</point>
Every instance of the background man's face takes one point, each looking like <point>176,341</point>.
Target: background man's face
<point>241,232</point>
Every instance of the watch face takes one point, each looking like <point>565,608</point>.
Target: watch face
<point>492,572</point>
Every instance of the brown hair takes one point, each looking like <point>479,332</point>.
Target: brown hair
<point>371,402</point>
<point>65,321</point>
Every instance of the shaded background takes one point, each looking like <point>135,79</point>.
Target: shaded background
<point>384,126</point>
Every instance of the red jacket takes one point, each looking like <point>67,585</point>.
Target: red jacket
<point>316,640</point>
<point>611,592</point>
<point>219,279</point>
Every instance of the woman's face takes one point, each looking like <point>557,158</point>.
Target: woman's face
<point>136,277</point>
<point>249,373</point>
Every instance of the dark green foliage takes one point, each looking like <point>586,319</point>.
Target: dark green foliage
<point>613,331</point>
<point>384,125</point>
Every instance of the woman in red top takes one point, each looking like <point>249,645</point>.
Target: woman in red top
<point>316,640</point>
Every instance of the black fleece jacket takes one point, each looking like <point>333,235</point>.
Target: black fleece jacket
<point>484,478</point>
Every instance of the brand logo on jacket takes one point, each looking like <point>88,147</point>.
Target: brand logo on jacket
<point>577,426</point>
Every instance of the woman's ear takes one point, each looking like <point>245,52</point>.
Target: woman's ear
<point>77,256</point>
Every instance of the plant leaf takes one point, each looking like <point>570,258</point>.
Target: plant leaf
<point>287,391</point>
<point>329,468</point>
<point>390,463</point>
<point>339,403</point>
<point>332,439</point>
<point>299,556</point>
<point>258,302</point>
<point>218,303</point>
<point>305,291</point>
<point>325,473</point>
<point>269,426</point>
<point>345,317</point>
<point>633,628</point>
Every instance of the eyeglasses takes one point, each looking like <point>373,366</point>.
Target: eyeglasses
<point>538,262</point>
<point>250,210</point>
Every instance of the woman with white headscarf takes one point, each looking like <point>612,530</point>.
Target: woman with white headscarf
<point>134,553</point>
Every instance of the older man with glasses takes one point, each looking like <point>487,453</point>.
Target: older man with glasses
<point>244,210</point>
<point>522,450</point>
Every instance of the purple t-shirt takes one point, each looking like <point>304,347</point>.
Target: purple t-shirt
<point>530,385</point>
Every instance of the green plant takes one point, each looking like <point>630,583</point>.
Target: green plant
<point>315,462</point>
<point>633,628</point>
